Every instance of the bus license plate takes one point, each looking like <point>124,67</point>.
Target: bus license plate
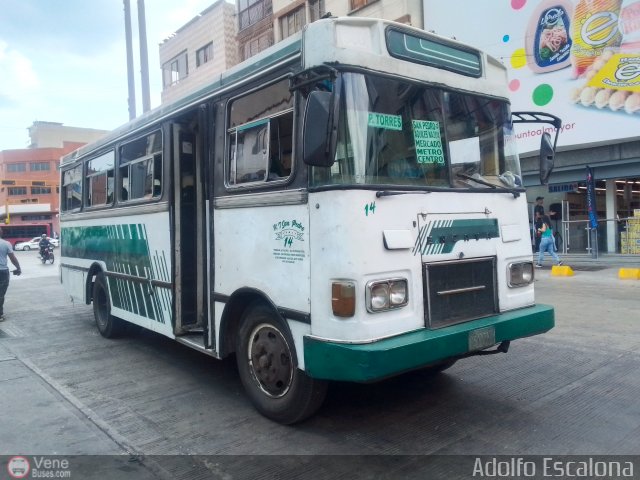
<point>482,338</point>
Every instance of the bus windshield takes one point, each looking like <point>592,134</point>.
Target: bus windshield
<point>393,132</point>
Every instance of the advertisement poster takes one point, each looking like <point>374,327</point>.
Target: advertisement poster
<point>576,59</point>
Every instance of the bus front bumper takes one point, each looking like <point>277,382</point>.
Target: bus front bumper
<point>391,356</point>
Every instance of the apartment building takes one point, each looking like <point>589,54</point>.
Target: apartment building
<point>223,35</point>
<point>199,50</point>
<point>255,26</point>
<point>30,180</point>
<point>290,16</point>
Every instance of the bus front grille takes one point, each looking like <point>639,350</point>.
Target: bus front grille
<point>459,291</point>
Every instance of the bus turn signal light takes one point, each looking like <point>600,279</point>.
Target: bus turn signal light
<point>343,299</point>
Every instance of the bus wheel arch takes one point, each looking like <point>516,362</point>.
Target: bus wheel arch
<point>233,313</point>
<point>94,270</point>
<point>268,367</point>
<point>108,325</point>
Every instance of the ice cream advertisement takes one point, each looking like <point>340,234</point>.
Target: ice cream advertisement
<point>577,59</point>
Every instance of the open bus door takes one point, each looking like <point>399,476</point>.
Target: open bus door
<point>188,228</point>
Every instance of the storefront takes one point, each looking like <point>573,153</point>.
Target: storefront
<point>616,169</point>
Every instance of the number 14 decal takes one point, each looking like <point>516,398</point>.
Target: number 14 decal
<point>370,208</point>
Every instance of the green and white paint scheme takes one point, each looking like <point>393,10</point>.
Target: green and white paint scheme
<point>134,247</point>
<point>360,265</point>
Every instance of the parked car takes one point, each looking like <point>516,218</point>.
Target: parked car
<point>33,244</point>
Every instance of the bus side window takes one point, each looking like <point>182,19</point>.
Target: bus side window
<point>141,168</point>
<point>250,153</point>
<point>72,189</point>
<point>260,134</point>
<point>281,146</point>
<point>124,183</point>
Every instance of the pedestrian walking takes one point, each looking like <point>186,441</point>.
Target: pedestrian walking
<point>547,243</point>
<point>538,213</point>
<point>6,251</point>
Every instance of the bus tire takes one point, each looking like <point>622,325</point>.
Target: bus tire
<point>267,365</point>
<point>108,325</point>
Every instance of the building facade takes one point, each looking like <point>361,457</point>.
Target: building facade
<point>224,35</point>
<point>199,50</point>
<point>29,178</point>
<point>255,26</point>
<point>290,16</point>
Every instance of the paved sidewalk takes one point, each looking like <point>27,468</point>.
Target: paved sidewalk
<point>49,422</point>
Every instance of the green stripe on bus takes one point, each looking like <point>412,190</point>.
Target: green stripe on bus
<point>441,236</point>
<point>124,249</point>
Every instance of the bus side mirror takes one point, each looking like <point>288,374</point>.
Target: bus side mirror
<point>319,140</point>
<point>547,155</point>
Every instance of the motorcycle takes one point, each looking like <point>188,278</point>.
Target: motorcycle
<point>47,255</point>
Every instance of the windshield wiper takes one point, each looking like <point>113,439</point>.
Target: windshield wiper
<point>513,191</point>
<point>474,179</point>
<point>389,193</point>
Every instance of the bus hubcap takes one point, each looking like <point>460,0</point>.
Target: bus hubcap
<point>270,360</point>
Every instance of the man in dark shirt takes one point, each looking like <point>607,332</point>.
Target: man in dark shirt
<point>43,244</point>
<point>538,208</point>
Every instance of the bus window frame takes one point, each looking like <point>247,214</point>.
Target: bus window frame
<point>147,157</point>
<point>63,170</point>
<point>230,141</point>
<point>89,177</point>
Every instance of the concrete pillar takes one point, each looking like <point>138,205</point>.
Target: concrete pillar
<point>612,210</point>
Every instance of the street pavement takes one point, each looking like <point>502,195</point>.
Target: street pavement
<point>68,391</point>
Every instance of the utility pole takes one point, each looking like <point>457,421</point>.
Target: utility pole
<point>144,58</point>
<point>131,83</point>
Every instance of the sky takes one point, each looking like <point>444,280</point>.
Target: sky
<point>65,61</point>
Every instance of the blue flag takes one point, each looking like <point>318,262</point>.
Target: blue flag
<point>591,199</point>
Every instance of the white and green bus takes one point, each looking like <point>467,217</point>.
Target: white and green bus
<point>347,205</point>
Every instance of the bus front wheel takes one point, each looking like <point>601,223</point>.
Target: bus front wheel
<point>108,325</point>
<point>266,359</point>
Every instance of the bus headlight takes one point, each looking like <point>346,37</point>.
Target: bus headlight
<point>387,294</point>
<point>520,274</point>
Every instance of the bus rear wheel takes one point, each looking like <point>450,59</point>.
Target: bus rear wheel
<point>266,359</point>
<point>108,325</point>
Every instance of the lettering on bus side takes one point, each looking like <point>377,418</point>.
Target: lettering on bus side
<point>289,237</point>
